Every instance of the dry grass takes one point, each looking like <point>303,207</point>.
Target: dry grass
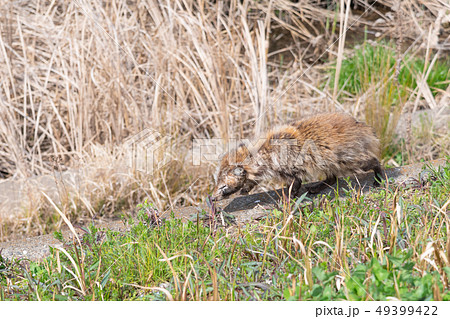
<point>78,78</point>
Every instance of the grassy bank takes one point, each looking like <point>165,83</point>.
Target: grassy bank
<point>80,79</point>
<point>391,243</point>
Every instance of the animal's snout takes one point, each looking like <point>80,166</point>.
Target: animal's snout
<point>216,197</point>
<point>221,193</point>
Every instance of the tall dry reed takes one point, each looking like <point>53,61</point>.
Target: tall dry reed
<point>78,78</point>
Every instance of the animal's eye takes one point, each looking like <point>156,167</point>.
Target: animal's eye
<point>223,187</point>
<point>238,171</point>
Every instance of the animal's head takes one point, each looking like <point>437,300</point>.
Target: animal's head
<point>229,181</point>
<point>231,174</point>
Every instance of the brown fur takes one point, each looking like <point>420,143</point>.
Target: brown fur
<point>323,146</point>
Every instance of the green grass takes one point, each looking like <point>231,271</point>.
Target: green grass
<point>362,69</point>
<point>370,74</point>
<point>390,243</point>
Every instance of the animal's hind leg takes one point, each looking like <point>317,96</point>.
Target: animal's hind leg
<point>379,175</point>
<point>331,180</point>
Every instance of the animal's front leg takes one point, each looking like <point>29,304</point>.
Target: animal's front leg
<point>319,186</point>
<point>248,186</point>
<point>296,185</point>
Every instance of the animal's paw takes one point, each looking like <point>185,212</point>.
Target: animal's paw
<point>377,180</point>
<point>243,192</point>
<point>316,188</point>
<point>376,183</point>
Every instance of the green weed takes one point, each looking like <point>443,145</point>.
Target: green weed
<point>371,74</point>
<point>370,63</point>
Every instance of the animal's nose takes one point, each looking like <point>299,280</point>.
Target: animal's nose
<point>219,193</point>
<point>215,195</point>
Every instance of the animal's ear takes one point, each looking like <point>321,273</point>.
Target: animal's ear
<point>241,145</point>
<point>238,171</point>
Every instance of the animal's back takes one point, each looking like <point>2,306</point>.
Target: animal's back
<point>326,144</point>
<point>337,132</point>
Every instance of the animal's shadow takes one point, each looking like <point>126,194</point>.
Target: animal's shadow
<point>363,183</point>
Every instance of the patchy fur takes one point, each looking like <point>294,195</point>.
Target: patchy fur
<point>323,146</point>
